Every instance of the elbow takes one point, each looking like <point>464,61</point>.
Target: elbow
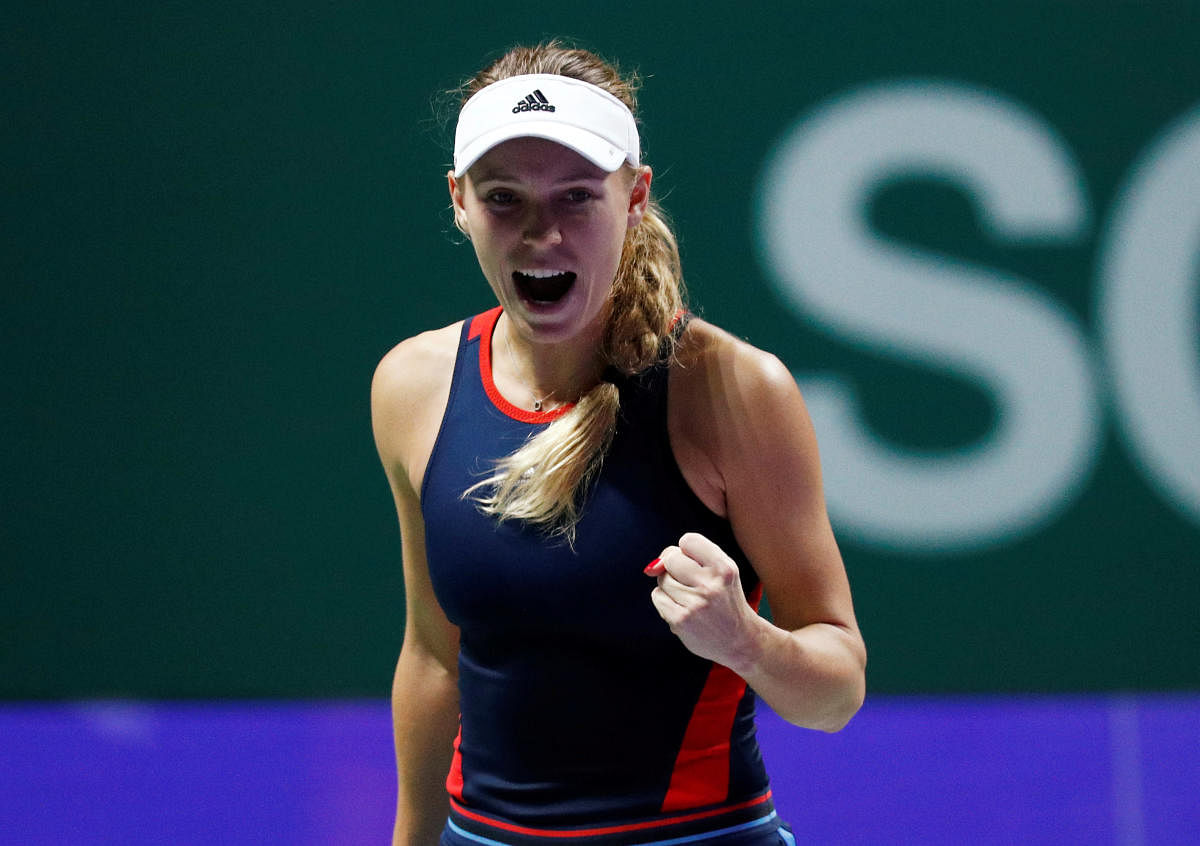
<point>840,697</point>
<point>845,707</point>
<point>830,690</point>
<point>830,714</point>
<point>850,692</point>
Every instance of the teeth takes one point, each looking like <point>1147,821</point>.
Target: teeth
<point>542,273</point>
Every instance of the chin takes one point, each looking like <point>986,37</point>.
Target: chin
<point>562,321</point>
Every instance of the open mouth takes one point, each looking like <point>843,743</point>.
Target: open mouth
<point>543,286</point>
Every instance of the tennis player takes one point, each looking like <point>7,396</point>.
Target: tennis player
<point>595,490</point>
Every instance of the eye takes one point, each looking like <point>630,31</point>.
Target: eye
<point>579,195</point>
<point>500,197</point>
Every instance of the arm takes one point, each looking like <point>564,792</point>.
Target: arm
<point>405,412</point>
<point>424,703</point>
<point>740,417</point>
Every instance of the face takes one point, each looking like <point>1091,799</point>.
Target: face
<point>548,227</point>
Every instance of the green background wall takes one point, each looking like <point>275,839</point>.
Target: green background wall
<point>217,217</point>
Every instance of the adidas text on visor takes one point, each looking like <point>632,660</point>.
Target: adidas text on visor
<point>571,112</point>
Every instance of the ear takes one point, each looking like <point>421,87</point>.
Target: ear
<point>639,197</point>
<point>457,203</point>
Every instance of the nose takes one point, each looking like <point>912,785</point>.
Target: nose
<point>541,227</point>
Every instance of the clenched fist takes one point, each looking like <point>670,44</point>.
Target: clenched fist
<point>699,595</point>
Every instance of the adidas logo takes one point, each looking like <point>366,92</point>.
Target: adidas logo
<point>535,102</point>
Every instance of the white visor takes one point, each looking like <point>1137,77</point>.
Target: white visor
<point>571,112</point>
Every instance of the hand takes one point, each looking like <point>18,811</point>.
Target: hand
<point>699,595</point>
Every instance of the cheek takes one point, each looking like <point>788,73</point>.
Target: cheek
<point>614,239</point>
<point>605,250</point>
<point>620,238</point>
<point>485,239</point>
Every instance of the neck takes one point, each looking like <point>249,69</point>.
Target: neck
<point>545,375</point>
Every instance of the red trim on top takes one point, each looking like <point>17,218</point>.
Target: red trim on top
<point>701,772</point>
<point>608,829</point>
<point>484,325</point>
<point>480,322</point>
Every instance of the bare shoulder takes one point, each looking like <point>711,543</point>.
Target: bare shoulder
<point>416,366</point>
<point>734,409</point>
<point>408,398</point>
<point>715,366</point>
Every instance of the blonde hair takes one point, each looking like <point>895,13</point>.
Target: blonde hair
<point>543,483</point>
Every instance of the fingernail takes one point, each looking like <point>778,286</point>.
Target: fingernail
<point>649,571</point>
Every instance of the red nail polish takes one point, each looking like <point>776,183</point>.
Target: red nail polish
<point>649,571</point>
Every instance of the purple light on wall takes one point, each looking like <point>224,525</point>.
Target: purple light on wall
<point>1104,770</point>
<point>227,773</point>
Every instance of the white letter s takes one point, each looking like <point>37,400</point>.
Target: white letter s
<point>989,327</point>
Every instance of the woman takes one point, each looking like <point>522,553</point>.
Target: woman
<point>594,491</point>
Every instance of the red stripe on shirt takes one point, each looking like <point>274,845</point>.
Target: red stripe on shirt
<point>701,772</point>
<point>454,780</point>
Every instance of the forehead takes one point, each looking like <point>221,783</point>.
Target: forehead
<point>533,160</point>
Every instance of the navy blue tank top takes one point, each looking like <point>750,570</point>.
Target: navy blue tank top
<point>580,710</point>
